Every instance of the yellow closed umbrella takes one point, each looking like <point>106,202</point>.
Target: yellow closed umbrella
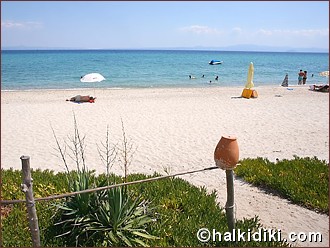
<point>249,83</point>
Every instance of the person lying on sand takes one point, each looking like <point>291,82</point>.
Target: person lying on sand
<point>79,98</point>
<point>321,88</point>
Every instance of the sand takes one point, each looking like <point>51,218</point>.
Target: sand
<point>177,130</point>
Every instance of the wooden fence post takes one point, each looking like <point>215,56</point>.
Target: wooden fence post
<point>230,200</point>
<point>30,203</point>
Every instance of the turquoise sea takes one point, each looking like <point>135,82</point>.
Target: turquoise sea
<point>62,69</point>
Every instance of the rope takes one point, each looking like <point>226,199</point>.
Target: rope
<point>6,202</point>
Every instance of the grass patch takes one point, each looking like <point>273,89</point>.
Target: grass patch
<point>304,181</point>
<point>179,208</point>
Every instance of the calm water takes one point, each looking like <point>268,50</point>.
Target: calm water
<point>25,70</point>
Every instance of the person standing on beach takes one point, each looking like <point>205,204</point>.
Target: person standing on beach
<point>305,77</point>
<point>300,77</point>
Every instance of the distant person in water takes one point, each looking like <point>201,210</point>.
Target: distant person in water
<point>216,78</point>
<point>203,76</point>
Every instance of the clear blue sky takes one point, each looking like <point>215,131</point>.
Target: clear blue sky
<point>121,25</point>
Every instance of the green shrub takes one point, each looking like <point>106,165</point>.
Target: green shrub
<point>304,181</point>
<point>183,209</point>
<point>45,183</point>
<point>179,208</point>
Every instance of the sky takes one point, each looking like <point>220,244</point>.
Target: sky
<point>164,24</point>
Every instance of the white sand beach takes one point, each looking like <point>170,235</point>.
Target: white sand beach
<point>178,130</point>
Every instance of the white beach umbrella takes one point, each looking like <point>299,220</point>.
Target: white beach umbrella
<point>92,78</point>
<point>249,82</point>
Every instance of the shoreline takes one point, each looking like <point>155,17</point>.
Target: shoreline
<point>178,129</point>
<point>201,86</point>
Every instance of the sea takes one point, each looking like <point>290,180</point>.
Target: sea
<point>62,69</point>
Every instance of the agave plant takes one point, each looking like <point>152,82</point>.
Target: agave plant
<point>107,218</point>
<point>76,209</point>
<point>120,221</point>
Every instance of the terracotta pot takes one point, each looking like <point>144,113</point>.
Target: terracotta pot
<point>226,154</point>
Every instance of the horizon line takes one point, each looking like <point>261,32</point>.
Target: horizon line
<point>158,49</point>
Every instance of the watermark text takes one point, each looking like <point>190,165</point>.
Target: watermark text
<point>205,235</point>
